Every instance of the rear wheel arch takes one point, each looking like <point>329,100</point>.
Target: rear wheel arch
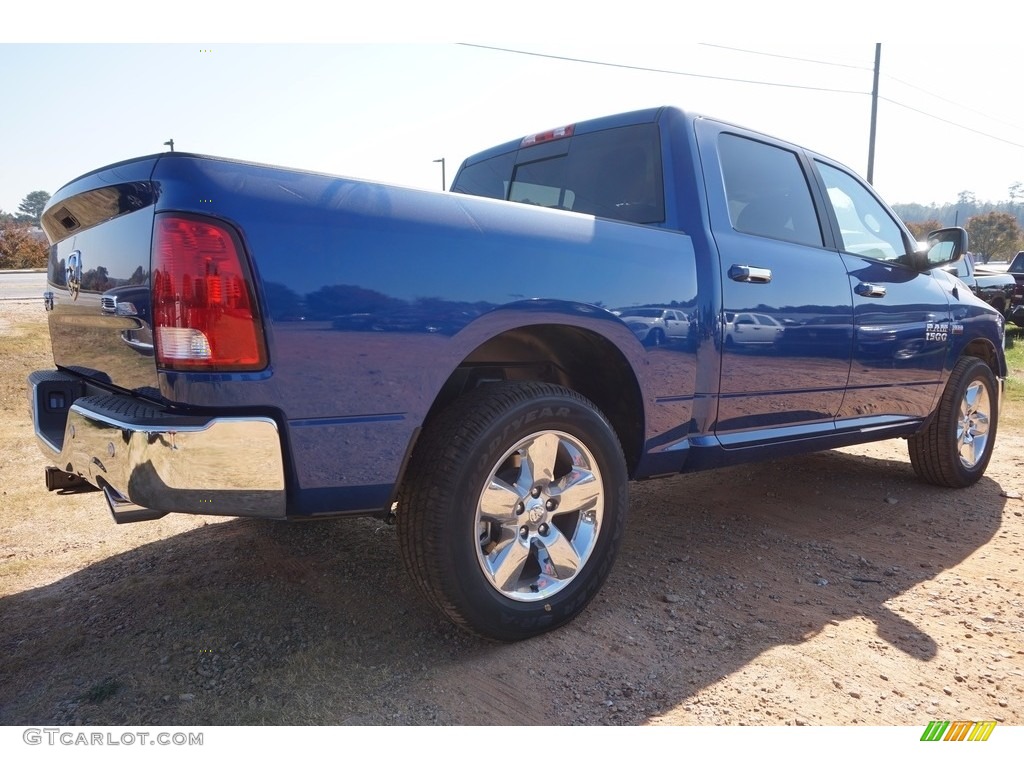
<point>572,357</point>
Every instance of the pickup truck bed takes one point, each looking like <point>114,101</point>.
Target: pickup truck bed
<point>238,339</point>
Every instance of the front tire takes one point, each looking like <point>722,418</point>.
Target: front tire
<point>956,446</point>
<point>513,508</point>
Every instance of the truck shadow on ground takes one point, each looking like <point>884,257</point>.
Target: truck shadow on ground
<point>247,622</point>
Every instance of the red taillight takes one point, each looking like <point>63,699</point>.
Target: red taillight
<point>556,133</point>
<point>204,311</point>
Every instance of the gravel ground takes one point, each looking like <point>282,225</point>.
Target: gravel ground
<point>829,589</point>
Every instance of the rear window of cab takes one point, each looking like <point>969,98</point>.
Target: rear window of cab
<point>614,174</point>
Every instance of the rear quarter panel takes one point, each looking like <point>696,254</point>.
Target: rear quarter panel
<point>374,294</point>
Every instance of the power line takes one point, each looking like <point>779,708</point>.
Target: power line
<point>954,103</point>
<point>950,122</point>
<point>656,70</point>
<point>664,71</point>
<point>887,76</point>
<point>789,58</point>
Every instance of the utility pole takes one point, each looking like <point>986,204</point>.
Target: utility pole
<point>874,116</point>
<point>443,183</point>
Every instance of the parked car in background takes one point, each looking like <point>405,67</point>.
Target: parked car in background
<point>998,289</point>
<point>655,326</point>
<point>752,329</point>
<point>1016,271</point>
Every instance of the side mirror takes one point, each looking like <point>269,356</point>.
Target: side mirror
<point>944,247</point>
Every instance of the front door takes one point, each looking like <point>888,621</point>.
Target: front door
<point>901,316</point>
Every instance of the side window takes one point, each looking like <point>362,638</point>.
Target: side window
<point>767,191</point>
<point>865,227</point>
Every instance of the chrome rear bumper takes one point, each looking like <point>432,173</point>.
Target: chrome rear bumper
<point>149,461</point>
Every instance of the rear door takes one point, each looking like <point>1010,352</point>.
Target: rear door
<point>783,288</point>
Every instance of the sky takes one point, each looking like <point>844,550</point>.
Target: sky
<point>386,103</point>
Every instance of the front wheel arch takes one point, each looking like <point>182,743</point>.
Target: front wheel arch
<point>955,447</point>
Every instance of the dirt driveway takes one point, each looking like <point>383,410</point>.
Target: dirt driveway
<point>831,589</point>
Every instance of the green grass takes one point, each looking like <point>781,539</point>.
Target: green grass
<point>1015,363</point>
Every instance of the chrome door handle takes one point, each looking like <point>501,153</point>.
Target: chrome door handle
<point>744,274</point>
<point>871,290</point>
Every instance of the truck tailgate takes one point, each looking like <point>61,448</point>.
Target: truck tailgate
<point>98,282</point>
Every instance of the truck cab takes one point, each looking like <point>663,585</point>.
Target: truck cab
<point>848,308</point>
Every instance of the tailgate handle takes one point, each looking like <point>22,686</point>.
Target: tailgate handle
<point>744,274</point>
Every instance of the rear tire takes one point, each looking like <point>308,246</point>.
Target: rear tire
<point>956,446</point>
<point>513,508</point>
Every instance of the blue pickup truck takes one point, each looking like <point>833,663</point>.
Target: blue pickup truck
<point>245,340</point>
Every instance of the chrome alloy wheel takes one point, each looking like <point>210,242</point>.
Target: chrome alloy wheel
<point>539,518</point>
<point>973,425</point>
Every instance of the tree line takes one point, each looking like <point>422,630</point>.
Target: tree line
<point>992,236</point>
<point>994,229</point>
<point>21,245</point>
